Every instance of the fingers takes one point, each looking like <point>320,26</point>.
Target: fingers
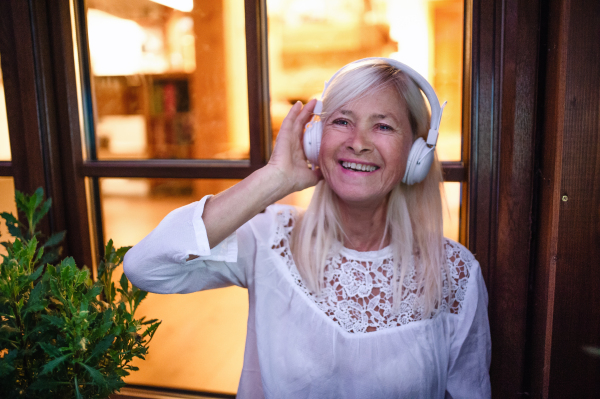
<point>305,114</point>
<point>293,113</point>
<point>299,115</point>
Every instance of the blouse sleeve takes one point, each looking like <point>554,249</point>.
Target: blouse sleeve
<point>176,257</point>
<point>470,351</point>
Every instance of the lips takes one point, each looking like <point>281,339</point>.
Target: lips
<point>358,167</point>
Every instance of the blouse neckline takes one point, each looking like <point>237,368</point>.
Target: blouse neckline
<point>382,253</point>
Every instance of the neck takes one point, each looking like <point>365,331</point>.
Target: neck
<point>364,226</point>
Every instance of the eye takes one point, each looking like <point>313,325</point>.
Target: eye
<point>340,122</point>
<point>383,127</point>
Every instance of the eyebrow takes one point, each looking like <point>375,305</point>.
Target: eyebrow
<point>373,116</point>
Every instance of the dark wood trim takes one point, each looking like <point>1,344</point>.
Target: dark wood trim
<point>467,100</point>
<point>6,168</point>
<point>25,121</point>
<point>47,105</point>
<point>504,64</point>
<point>87,106</point>
<point>482,193</point>
<point>169,169</point>
<point>68,132</point>
<point>207,169</point>
<point>483,161</point>
<point>258,82</point>
<point>454,171</point>
<point>550,174</point>
<point>88,126</point>
<point>566,311</point>
<point>509,276</point>
<point>132,391</point>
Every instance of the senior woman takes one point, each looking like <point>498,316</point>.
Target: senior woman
<point>360,296</point>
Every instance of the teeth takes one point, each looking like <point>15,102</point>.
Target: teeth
<point>359,167</point>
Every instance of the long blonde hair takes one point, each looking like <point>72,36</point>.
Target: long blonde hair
<point>414,213</point>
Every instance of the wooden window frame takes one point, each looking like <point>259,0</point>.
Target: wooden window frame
<point>6,168</point>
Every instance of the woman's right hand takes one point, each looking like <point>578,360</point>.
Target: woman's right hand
<point>286,172</point>
<point>288,155</point>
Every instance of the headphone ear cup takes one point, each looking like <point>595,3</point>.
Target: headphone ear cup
<point>312,140</point>
<point>417,171</point>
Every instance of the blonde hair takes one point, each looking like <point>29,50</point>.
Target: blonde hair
<point>414,213</point>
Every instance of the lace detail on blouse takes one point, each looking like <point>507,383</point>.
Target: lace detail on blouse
<point>358,291</point>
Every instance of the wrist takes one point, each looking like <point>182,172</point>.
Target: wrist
<point>275,181</point>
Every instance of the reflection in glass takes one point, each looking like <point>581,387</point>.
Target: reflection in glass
<point>5,154</point>
<point>200,344</point>
<point>7,204</point>
<point>310,40</point>
<point>169,79</point>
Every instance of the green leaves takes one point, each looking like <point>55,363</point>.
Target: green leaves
<point>61,335</point>
<point>32,209</point>
<point>53,364</point>
<point>101,347</point>
<point>30,206</point>
<point>14,226</point>
<point>97,377</point>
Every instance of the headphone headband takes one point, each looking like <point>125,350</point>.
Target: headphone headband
<point>420,81</point>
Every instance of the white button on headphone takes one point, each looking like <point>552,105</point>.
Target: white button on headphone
<point>421,153</point>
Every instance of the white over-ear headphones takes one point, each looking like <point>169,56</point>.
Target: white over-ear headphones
<point>421,153</point>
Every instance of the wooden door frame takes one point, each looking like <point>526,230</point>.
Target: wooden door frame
<point>505,46</point>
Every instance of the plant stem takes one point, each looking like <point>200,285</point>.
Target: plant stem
<point>26,360</point>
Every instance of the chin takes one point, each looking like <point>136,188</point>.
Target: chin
<point>358,199</point>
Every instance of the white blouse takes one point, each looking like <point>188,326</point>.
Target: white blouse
<point>344,343</point>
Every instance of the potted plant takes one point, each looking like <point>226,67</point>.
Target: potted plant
<point>62,334</point>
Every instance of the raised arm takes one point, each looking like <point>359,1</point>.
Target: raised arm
<point>176,257</point>
<point>285,173</point>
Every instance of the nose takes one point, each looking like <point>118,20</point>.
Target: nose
<point>359,141</point>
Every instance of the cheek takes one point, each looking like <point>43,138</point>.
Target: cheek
<point>407,145</point>
<point>398,150</point>
<point>398,153</point>
<point>327,147</point>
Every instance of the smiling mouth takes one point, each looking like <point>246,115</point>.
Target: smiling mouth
<point>358,167</point>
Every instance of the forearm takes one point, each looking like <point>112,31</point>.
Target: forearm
<point>285,173</point>
<point>226,212</point>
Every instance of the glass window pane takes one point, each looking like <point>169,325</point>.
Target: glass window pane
<point>4,141</point>
<point>310,40</point>
<point>204,352</point>
<point>7,204</point>
<point>169,79</point>
<point>451,203</point>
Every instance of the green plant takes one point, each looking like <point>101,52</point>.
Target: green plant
<point>33,208</point>
<point>62,335</point>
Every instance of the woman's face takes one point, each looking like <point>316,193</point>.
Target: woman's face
<point>365,147</point>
